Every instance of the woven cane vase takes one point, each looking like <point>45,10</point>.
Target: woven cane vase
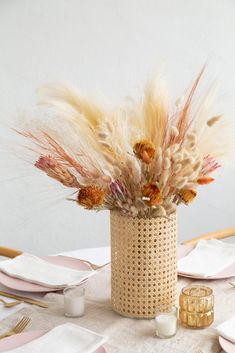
<point>143,264</point>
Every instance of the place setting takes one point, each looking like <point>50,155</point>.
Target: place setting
<point>67,337</point>
<point>207,259</point>
<point>30,273</point>
<point>27,273</point>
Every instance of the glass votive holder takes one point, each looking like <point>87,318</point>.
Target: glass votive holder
<point>74,301</point>
<point>166,322</point>
<point>196,306</point>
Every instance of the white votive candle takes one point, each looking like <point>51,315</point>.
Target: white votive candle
<point>166,323</point>
<point>74,301</point>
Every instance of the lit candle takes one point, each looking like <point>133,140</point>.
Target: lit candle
<point>166,323</point>
<point>74,301</point>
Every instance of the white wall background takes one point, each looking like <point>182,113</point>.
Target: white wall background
<point>107,47</point>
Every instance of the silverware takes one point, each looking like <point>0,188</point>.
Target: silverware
<point>10,304</point>
<point>20,326</point>
<point>94,266</point>
<point>24,299</point>
<point>232,284</point>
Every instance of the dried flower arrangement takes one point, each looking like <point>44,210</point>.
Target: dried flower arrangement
<point>141,159</point>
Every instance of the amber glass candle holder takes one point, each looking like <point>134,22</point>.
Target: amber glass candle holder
<point>196,307</point>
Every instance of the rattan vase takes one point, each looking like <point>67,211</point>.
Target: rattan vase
<point>143,264</point>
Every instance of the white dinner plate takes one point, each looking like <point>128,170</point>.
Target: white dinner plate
<point>228,272</point>
<point>21,285</point>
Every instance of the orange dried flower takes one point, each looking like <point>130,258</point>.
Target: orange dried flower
<point>151,194</point>
<point>91,196</point>
<point>144,150</point>
<point>187,196</point>
<point>56,171</point>
<point>205,180</point>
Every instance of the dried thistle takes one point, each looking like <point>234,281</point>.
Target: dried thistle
<point>151,194</point>
<point>144,150</point>
<point>187,196</point>
<point>91,196</point>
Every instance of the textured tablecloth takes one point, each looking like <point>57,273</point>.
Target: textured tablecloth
<point>130,335</point>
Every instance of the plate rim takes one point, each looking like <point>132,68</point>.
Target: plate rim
<point>40,288</point>
<point>210,278</point>
<point>221,339</point>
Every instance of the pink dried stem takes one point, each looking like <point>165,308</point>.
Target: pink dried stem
<point>182,122</point>
<point>209,165</point>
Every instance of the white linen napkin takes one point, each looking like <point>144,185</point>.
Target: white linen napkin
<point>67,338</point>
<point>33,269</point>
<point>208,258</point>
<point>227,329</point>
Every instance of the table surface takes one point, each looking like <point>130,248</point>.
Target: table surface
<point>98,256</point>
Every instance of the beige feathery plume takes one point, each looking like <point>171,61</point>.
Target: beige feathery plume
<point>218,139</point>
<point>85,119</point>
<point>82,114</point>
<point>214,132</point>
<point>155,112</point>
<point>61,96</point>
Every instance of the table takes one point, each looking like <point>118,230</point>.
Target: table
<point>119,329</point>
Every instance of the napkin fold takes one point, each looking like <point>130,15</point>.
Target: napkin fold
<point>67,338</point>
<point>227,329</point>
<point>31,268</point>
<point>208,258</point>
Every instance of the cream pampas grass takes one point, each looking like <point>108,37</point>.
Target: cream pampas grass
<point>155,113</point>
<point>143,158</point>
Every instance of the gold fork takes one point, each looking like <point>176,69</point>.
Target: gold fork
<point>94,266</point>
<point>20,326</point>
<point>10,304</point>
<point>232,284</point>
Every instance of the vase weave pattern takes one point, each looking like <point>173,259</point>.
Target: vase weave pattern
<point>143,264</point>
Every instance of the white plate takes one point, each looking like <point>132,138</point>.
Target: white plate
<point>228,272</point>
<point>227,346</point>
<point>20,285</point>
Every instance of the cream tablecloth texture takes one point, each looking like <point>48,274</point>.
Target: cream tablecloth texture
<point>130,335</point>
